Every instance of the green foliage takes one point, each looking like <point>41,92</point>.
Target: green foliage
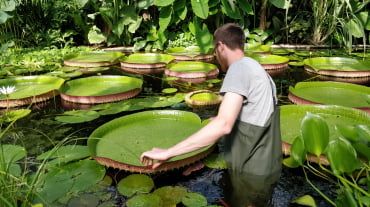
<point>194,200</point>
<point>13,115</point>
<point>64,154</point>
<point>145,200</point>
<point>216,161</point>
<point>315,133</point>
<point>171,195</point>
<point>305,200</point>
<point>77,116</point>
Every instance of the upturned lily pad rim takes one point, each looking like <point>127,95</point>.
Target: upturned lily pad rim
<point>175,162</point>
<point>361,70</point>
<point>295,95</point>
<point>195,103</point>
<point>197,66</point>
<point>134,89</point>
<point>78,60</point>
<point>147,58</point>
<point>55,83</point>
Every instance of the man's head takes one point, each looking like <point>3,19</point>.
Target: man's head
<point>228,44</point>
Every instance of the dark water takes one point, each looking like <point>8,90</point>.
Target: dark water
<point>39,132</point>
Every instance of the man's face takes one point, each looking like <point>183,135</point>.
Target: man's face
<point>219,53</point>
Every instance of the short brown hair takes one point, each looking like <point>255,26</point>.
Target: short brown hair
<point>231,35</point>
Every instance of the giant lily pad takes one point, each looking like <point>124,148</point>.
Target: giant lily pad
<point>101,89</point>
<point>189,54</point>
<point>273,64</point>
<point>93,59</point>
<point>192,70</point>
<point>25,90</point>
<point>338,67</point>
<point>145,63</point>
<point>331,93</point>
<point>135,184</point>
<point>292,115</point>
<point>120,142</point>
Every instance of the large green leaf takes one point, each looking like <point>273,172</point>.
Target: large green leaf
<point>291,116</point>
<point>125,139</point>
<point>202,35</point>
<point>282,4</point>
<point>246,7</point>
<point>215,161</point>
<point>77,116</point>
<point>4,17</point>
<point>315,133</point>
<point>98,85</point>
<point>305,200</point>
<point>11,153</point>
<point>163,3</point>
<point>342,156</point>
<point>229,8</point>
<point>355,28</point>
<point>365,19</point>
<point>135,184</point>
<point>181,10</point>
<point>29,86</point>
<point>165,16</point>
<point>270,59</point>
<point>337,63</point>
<point>200,8</point>
<point>333,93</point>
<point>7,5</point>
<point>94,57</point>
<point>95,36</point>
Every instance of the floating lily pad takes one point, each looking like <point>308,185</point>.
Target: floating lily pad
<point>13,115</point>
<point>338,66</point>
<point>77,116</point>
<point>331,93</point>
<point>215,161</point>
<point>257,48</point>
<point>189,53</point>
<point>93,59</point>
<point>271,59</point>
<point>28,89</point>
<point>100,89</point>
<point>120,142</point>
<point>171,195</point>
<point>135,184</point>
<point>296,63</point>
<point>281,51</point>
<point>194,200</point>
<point>292,115</point>
<point>169,90</point>
<point>203,98</point>
<point>64,154</point>
<point>145,200</point>
<point>71,178</point>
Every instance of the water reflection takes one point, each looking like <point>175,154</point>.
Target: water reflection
<point>247,190</point>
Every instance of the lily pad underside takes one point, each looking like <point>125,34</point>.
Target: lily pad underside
<point>338,67</point>
<point>291,117</point>
<point>29,89</point>
<point>100,89</point>
<point>191,53</point>
<point>331,93</point>
<point>202,98</point>
<point>145,63</point>
<point>120,142</point>
<point>93,59</point>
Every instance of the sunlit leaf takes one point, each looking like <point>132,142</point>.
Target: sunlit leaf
<point>355,28</point>
<point>342,156</point>
<point>290,162</point>
<point>298,151</point>
<point>200,8</point>
<point>163,3</point>
<point>305,200</point>
<point>363,132</point>
<point>165,16</point>
<point>216,161</point>
<point>145,200</point>
<point>348,132</point>
<point>65,154</point>
<point>282,4</point>
<point>77,116</point>
<point>95,36</point>
<point>171,195</point>
<point>315,133</point>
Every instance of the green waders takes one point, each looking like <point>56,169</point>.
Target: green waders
<point>254,155</point>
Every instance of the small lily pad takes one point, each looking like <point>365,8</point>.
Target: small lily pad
<point>194,200</point>
<point>169,90</point>
<point>135,184</point>
<point>65,154</point>
<point>145,200</point>
<point>13,115</point>
<point>171,195</point>
<point>77,116</point>
<point>305,200</point>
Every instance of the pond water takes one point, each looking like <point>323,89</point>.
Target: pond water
<point>39,132</point>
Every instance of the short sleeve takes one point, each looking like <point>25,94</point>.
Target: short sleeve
<point>236,81</point>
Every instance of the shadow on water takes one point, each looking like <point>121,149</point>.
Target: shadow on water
<point>39,132</point>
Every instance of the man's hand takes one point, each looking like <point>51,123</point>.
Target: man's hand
<point>154,157</point>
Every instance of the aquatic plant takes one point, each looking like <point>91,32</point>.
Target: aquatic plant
<point>348,163</point>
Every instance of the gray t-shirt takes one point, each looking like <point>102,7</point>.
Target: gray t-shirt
<point>248,78</point>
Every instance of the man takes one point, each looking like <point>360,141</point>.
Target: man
<point>248,119</point>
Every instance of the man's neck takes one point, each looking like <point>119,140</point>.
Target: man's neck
<point>234,55</point>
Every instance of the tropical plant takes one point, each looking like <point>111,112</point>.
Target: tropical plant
<point>348,155</point>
